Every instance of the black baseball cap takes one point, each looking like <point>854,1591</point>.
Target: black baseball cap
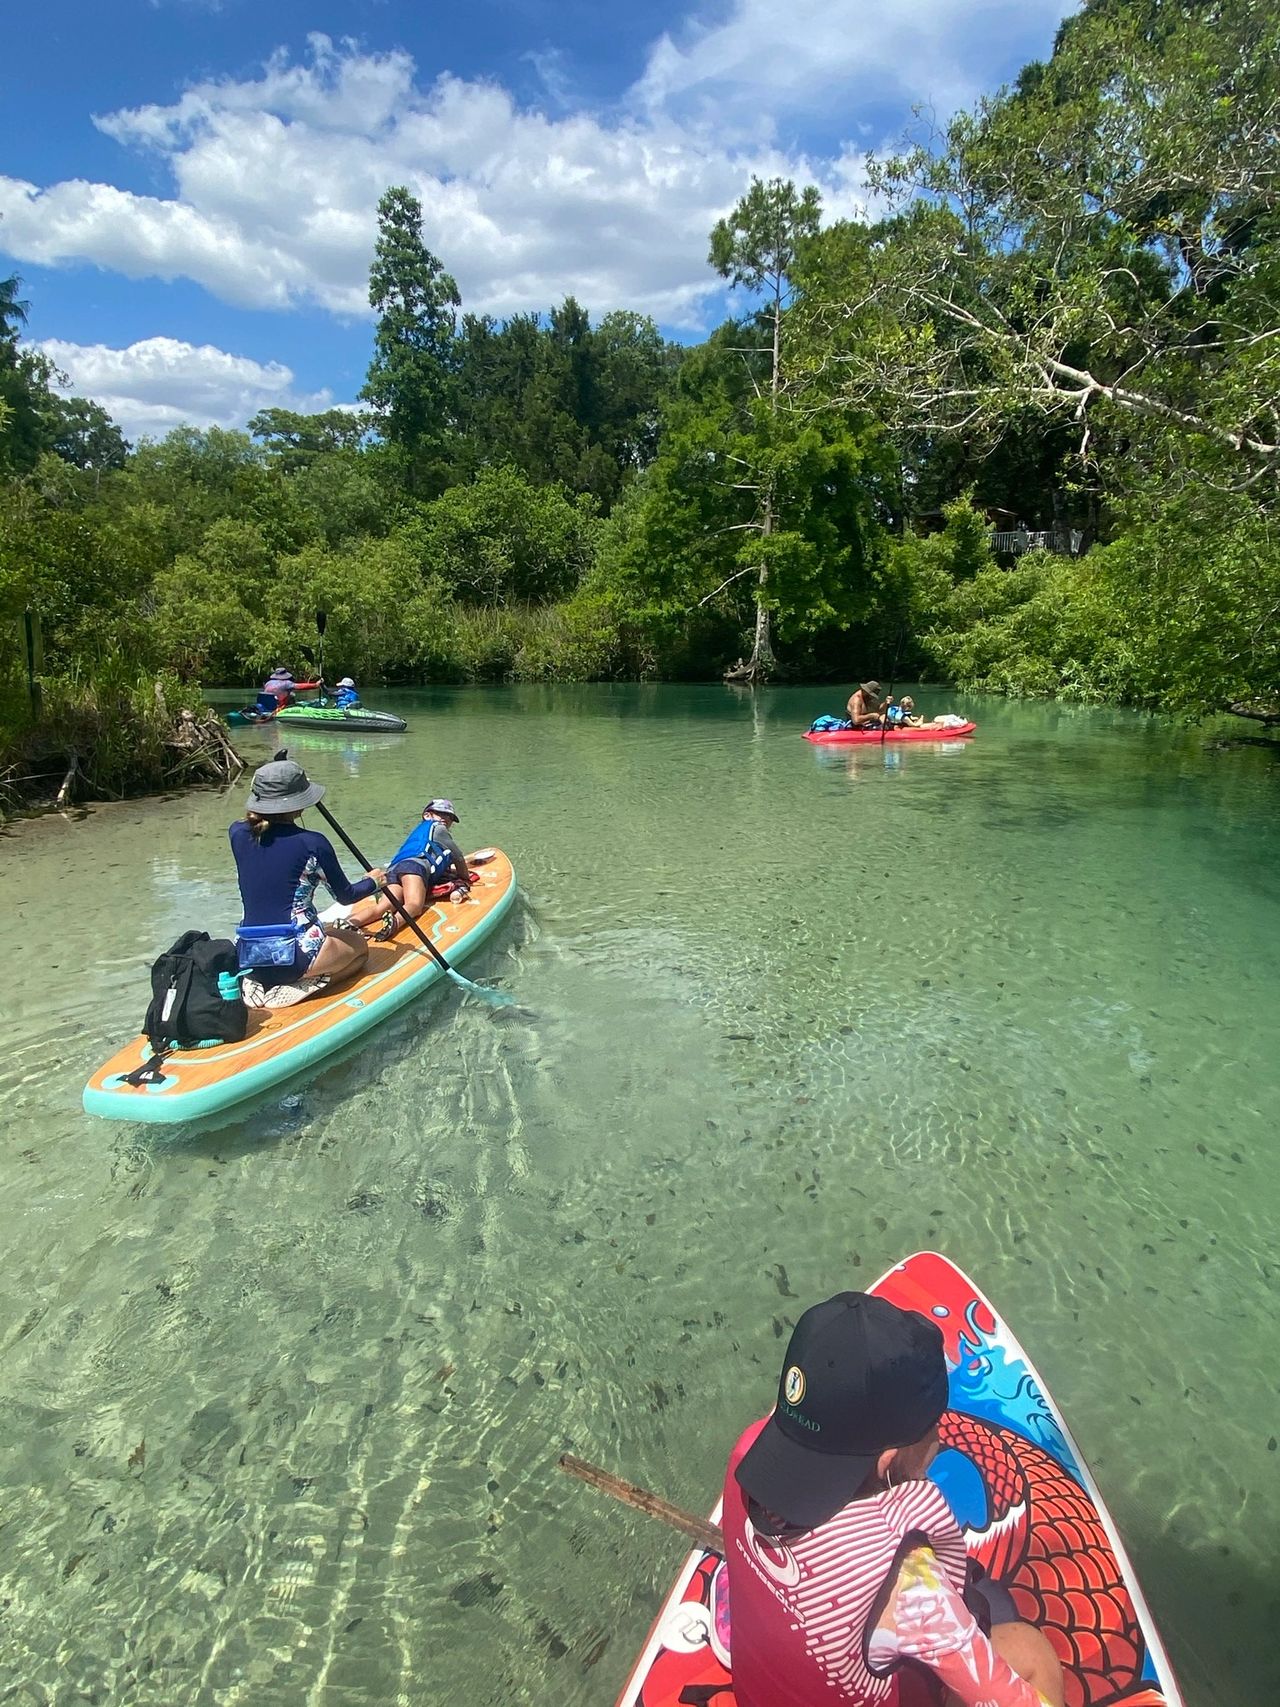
<point>860,1375</point>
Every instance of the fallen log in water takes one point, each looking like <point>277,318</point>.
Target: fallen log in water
<point>1257,710</point>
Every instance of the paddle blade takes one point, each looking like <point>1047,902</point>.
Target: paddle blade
<point>494,998</point>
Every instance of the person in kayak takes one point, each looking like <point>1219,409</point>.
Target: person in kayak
<point>844,1562</point>
<point>865,706</point>
<point>427,858</point>
<point>277,690</point>
<point>903,716</point>
<point>346,694</point>
<point>279,865</point>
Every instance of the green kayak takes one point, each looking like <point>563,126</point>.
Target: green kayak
<point>330,717</point>
<point>322,717</point>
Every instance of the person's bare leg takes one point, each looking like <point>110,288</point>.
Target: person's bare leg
<point>414,894</point>
<point>1029,1652</point>
<point>342,954</point>
<point>369,912</point>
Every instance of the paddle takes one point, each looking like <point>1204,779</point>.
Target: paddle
<point>496,998</point>
<point>697,1529</point>
<point>322,622</point>
<point>893,676</point>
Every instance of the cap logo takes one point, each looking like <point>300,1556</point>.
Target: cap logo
<point>793,1385</point>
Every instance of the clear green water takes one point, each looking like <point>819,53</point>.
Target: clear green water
<point>786,1015</point>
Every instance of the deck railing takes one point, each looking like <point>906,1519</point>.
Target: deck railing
<point>1013,541</point>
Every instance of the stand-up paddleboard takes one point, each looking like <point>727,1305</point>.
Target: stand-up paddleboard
<point>1030,1511</point>
<point>890,737</point>
<point>281,1042</point>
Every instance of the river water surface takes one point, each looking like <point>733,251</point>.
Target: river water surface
<point>280,1402</point>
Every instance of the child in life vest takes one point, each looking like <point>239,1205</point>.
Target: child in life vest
<point>426,860</point>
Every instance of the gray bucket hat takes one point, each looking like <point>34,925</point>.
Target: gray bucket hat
<point>282,786</point>
<point>443,807</point>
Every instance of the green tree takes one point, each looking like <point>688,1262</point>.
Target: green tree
<point>1096,245</point>
<point>25,395</point>
<point>503,541</point>
<point>295,441</point>
<point>560,399</point>
<point>679,563</point>
<point>83,434</point>
<point>410,380</point>
<point>756,248</point>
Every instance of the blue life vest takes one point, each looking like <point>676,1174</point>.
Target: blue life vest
<point>420,844</point>
<point>895,715</point>
<point>345,697</point>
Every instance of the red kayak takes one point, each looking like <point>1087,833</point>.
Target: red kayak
<point>890,737</point>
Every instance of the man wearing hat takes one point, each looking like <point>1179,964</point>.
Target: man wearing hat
<point>865,706</point>
<point>427,858</point>
<point>847,1570</point>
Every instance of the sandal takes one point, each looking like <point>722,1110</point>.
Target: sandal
<point>390,925</point>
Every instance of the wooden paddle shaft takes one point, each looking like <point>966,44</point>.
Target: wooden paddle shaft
<point>706,1534</point>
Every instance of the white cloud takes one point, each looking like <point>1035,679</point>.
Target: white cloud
<point>836,53</point>
<point>160,383</point>
<point>276,178</point>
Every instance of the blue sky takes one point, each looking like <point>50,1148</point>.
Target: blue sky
<point>188,187</point>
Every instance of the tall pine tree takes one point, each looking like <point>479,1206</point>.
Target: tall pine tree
<point>411,377</point>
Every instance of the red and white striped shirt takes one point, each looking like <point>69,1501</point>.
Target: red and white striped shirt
<point>800,1608</point>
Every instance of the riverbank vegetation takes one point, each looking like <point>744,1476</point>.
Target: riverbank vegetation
<point>1061,327</point>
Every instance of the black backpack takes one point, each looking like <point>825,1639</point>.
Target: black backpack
<point>187,1007</point>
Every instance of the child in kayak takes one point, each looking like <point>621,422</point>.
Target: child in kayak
<point>903,716</point>
<point>427,858</point>
<point>346,694</point>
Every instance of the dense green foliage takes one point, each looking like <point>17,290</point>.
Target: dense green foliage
<point>1067,320</point>
<point>1074,309</point>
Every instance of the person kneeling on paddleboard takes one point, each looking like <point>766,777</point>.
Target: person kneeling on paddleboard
<point>847,1571</point>
<point>281,940</point>
<point>427,859</point>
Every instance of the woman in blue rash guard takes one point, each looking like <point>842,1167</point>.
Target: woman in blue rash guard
<point>280,864</point>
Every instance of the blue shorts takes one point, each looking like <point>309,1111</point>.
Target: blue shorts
<point>413,868</point>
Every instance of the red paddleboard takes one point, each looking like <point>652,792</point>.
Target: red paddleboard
<point>1032,1516</point>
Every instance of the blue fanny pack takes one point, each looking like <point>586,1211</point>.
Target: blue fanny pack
<point>266,945</point>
